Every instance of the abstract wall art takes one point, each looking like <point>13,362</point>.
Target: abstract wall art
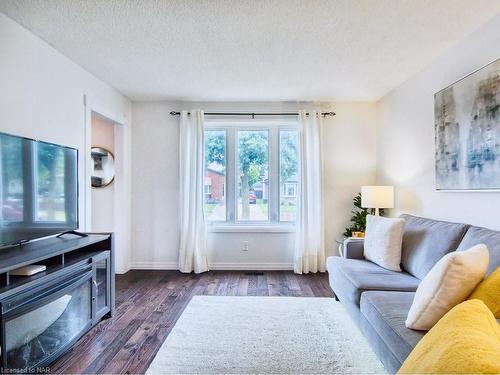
<point>467,132</point>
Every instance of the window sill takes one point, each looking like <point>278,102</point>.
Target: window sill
<point>251,228</point>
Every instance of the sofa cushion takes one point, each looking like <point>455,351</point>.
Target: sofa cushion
<point>386,312</point>
<point>425,241</point>
<point>351,277</point>
<point>491,238</point>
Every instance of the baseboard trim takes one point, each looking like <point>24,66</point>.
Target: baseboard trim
<point>216,266</point>
<point>167,266</point>
<point>252,266</point>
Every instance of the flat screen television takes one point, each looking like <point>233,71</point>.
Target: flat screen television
<point>38,189</point>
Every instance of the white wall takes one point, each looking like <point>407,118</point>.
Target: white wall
<point>405,136</point>
<point>42,96</point>
<point>349,140</point>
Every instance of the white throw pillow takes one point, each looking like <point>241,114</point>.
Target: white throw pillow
<point>448,283</point>
<point>383,239</point>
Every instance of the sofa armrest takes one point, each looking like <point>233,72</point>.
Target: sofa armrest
<point>354,248</point>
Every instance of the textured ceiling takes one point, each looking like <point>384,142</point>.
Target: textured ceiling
<point>252,50</point>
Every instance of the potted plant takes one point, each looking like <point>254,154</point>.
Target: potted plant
<point>358,219</point>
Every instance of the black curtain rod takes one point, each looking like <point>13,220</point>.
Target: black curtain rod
<point>173,113</point>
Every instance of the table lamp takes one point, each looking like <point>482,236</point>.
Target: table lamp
<point>377,197</point>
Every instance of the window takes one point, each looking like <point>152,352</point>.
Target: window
<point>251,173</point>
<point>288,175</point>
<point>215,175</point>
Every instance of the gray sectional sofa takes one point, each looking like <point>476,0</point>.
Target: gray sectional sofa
<point>379,300</point>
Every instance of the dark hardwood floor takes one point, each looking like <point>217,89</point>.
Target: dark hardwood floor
<point>148,303</point>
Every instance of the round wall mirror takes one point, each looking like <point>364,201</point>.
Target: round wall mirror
<point>103,171</point>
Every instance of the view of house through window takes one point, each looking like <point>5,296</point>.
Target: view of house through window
<point>253,171</point>
<point>215,175</point>
<point>262,184</point>
<point>288,175</point>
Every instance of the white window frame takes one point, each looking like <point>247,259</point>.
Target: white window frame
<point>231,127</point>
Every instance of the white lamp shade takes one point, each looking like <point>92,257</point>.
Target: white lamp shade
<point>377,196</point>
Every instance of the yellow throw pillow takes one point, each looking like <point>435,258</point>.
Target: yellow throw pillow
<point>464,341</point>
<point>488,291</point>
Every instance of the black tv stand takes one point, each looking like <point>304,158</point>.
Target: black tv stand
<point>73,232</point>
<point>43,315</point>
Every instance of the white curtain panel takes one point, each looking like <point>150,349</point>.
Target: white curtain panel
<point>309,244</point>
<point>193,249</point>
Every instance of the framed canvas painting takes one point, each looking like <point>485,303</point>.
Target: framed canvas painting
<point>467,132</point>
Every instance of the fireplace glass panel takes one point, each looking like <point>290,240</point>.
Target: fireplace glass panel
<point>34,336</point>
<point>102,280</point>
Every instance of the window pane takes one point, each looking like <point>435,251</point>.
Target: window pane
<point>50,197</point>
<point>289,180</point>
<point>253,166</point>
<point>215,175</point>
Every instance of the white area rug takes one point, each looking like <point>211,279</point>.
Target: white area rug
<point>228,335</point>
